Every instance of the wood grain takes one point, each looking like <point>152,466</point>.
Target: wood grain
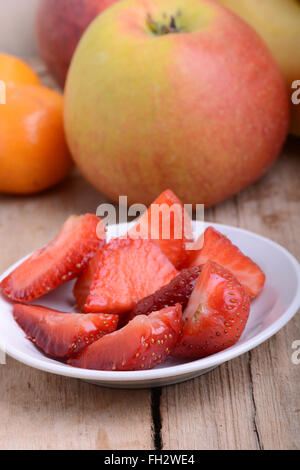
<point>44,411</point>
<point>276,381</point>
<point>252,402</point>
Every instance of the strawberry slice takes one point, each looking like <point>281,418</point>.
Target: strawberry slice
<point>63,259</point>
<point>170,230</point>
<point>128,271</point>
<point>83,284</point>
<point>143,343</point>
<point>219,248</point>
<point>216,314</point>
<point>61,334</point>
<point>178,291</point>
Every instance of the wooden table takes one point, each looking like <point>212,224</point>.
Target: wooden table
<point>252,402</point>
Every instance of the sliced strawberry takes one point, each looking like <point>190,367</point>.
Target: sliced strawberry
<point>143,343</point>
<point>63,259</point>
<point>178,291</point>
<point>61,334</point>
<point>216,314</point>
<point>219,248</point>
<point>170,230</point>
<point>83,284</point>
<point>128,271</point>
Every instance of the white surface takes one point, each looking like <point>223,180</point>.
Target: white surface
<point>276,305</point>
<point>17,31</point>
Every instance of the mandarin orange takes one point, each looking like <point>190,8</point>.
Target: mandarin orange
<point>33,151</point>
<point>13,69</point>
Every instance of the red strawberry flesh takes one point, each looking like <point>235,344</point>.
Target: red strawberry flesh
<point>217,247</point>
<point>60,334</point>
<point>169,229</point>
<point>83,284</point>
<point>62,260</point>
<point>143,343</point>
<point>128,271</point>
<point>178,291</point>
<point>216,314</point>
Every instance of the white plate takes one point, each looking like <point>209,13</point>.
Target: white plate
<point>275,306</point>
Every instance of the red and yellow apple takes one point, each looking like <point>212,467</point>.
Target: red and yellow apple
<point>278,23</point>
<point>60,24</point>
<point>177,94</point>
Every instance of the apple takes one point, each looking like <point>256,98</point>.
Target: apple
<point>178,94</point>
<point>60,24</point>
<point>278,23</point>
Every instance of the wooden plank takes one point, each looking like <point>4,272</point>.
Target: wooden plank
<point>272,208</point>
<point>44,411</point>
<point>252,402</point>
<point>211,412</point>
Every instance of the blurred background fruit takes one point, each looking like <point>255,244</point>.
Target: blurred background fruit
<point>17,32</point>
<point>278,23</point>
<point>13,69</point>
<point>33,150</point>
<point>60,25</point>
<point>204,113</point>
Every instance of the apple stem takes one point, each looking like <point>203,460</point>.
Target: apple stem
<point>160,28</point>
<point>173,23</point>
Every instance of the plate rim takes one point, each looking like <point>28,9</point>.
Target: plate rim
<point>173,370</point>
